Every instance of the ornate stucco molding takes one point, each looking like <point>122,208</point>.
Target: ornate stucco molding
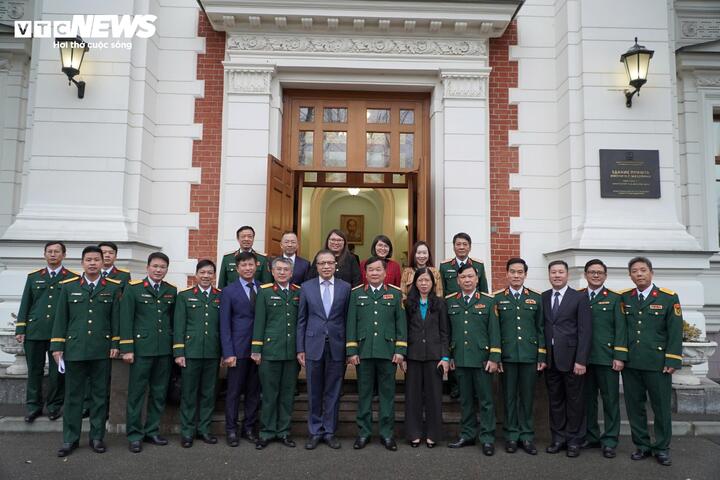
<point>708,80</point>
<point>248,80</point>
<point>700,28</point>
<point>464,85</point>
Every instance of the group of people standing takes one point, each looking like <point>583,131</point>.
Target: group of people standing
<point>267,318</point>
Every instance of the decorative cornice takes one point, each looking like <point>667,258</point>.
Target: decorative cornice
<point>356,45</point>
<point>708,80</point>
<point>697,28</point>
<point>464,85</point>
<point>248,80</point>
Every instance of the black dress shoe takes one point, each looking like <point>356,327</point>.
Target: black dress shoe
<point>30,417</point>
<point>186,442</point>
<point>663,458</point>
<point>488,449</point>
<point>555,447</point>
<point>156,440</point>
<point>573,451</point>
<point>511,446</point>
<point>85,413</point>
<point>587,444</point>
<point>232,439</point>
<point>389,444</point>
<point>67,449</point>
<point>135,447</point>
<point>608,452</point>
<point>54,415</point>
<point>360,442</point>
<point>207,438</point>
<point>462,442</point>
<point>312,442</point>
<point>332,442</point>
<point>249,435</point>
<point>98,446</point>
<point>455,393</point>
<point>261,443</point>
<point>529,447</point>
<point>287,441</point>
<point>640,454</point>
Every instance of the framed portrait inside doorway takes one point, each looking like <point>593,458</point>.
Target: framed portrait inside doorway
<point>354,228</point>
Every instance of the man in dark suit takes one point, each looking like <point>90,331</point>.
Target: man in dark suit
<point>237,318</point>
<point>289,246</point>
<point>321,347</point>
<point>568,337</point>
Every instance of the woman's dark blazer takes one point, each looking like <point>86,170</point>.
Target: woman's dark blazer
<point>428,339</point>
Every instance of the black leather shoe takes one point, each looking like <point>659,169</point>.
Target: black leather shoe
<point>54,415</point>
<point>455,393</point>
<point>85,413</point>
<point>232,439</point>
<point>156,440</point>
<point>249,435</point>
<point>260,444</point>
<point>463,442</point>
<point>555,447</point>
<point>287,441</point>
<point>186,442</point>
<point>30,417</point>
<point>312,442</point>
<point>586,444</point>
<point>488,449</point>
<point>640,454</point>
<point>207,438</point>
<point>360,442</point>
<point>332,442</point>
<point>608,452</point>
<point>529,447</point>
<point>67,449</point>
<point>663,458</point>
<point>135,447</point>
<point>511,446</point>
<point>573,451</point>
<point>389,444</point>
<point>98,446</point>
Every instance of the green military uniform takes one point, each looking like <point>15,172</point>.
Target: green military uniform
<point>376,330</point>
<point>474,340</point>
<point>119,274</point>
<point>85,329</point>
<point>146,317</point>
<point>228,269</point>
<point>654,328</point>
<point>609,342</point>
<point>522,332</point>
<point>197,338</point>
<point>35,321</point>
<point>448,272</point>
<point>274,334</point>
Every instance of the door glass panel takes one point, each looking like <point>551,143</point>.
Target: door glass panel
<point>307,114</point>
<point>378,150</point>
<point>406,150</point>
<point>407,117</point>
<point>374,178</point>
<point>335,115</point>
<point>378,115</point>
<point>311,177</point>
<point>336,177</point>
<point>334,149</point>
<point>305,152</point>
<point>398,178</point>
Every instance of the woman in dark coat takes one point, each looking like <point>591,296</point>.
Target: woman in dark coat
<point>346,267</point>
<point>427,359</point>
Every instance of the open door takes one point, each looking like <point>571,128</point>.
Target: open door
<point>280,215</point>
<point>414,232</point>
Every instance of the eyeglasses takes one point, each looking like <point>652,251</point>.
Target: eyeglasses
<point>595,273</point>
<point>326,264</point>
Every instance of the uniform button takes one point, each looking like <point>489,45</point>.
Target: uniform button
<point>519,328</point>
<point>465,332</point>
<point>207,323</point>
<point>639,322</point>
<point>89,321</point>
<point>206,333</point>
<point>46,316</point>
<point>375,313</point>
<point>640,312</point>
<point>206,314</point>
<point>159,311</point>
<point>376,323</point>
<point>423,340</point>
<point>288,324</point>
<point>375,334</point>
<point>49,306</point>
<point>158,301</point>
<point>637,341</point>
<point>375,302</point>
<point>89,311</point>
<point>138,336</point>
<point>519,338</point>
<point>466,343</point>
<point>51,288</point>
<point>518,318</point>
<point>466,312</point>
<point>288,314</point>
<point>89,332</point>
<point>604,309</point>
<point>159,331</point>
<point>638,332</point>
<point>49,296</point>
<point>517,308</point>
<point>159,320</point>
<point>466,322</point>
<point>206,306</point>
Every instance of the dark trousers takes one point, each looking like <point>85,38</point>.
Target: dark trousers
<point>604,380</point>
<point>567,406</point>
<point>518,380</point>
<point>82,376</point>
<point>369,371</point>
<point>638,386</point>
<point>36,351</point>
<point>423,394</point>
<point>324,382</point>
<point>476,393</point>
<point>198,395</point>
<point>242,379</point>
<point>151,374</point>
<point>278,379</point>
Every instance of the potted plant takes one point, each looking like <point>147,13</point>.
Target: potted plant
<point>696,350</point>
<point>11,346</point>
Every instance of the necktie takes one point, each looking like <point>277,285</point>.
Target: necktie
<point>252,293</point>
<point>467,299</point>
<point>326,297</point>
<point>641,298</point>
<point>157,288</point>
<point>91,287</point>
<point>205,294</point>
<point>52,274</point>
<point>556,304</point>
<point>517,296</point>
<point>592,296</point>
<point>104,274</point>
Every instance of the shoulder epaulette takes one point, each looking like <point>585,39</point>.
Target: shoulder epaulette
<point>122,270</point>
<point>266,285</point>
<point>112,280</point>
<point>534,291</point>
<point>666,290</point>
<point>359,286</point>
<point>448,260</point>
<point>231,252</point>
<point>621,292</point>
<point>498,291</point>
<point>262,254</point>
<point>613,291</point>
<point>74,273</point>
<point>450,295</point>
<point>170,284</point>
<point>394,286</point>
<point>490,295</point>
<point>476,260</point>
<point>189,288</point>
<point>69,280</point>
<point>36,271</point>
<point>295,285</point>
<point>135,282</point>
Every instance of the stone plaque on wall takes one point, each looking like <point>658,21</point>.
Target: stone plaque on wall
<point>629,174</point>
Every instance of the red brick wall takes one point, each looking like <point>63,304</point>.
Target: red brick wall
<point>503,159</point>
<point>205,197</point>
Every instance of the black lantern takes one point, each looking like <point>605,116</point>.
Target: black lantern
<point>637,64</point>
<point>72,52</point>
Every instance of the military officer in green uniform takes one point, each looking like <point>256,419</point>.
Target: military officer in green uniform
<point>607,359</point>
<point>274,350</point>
<point>228,272</point>
<point>654,326</point>
<point>196,347</point>
<point>522,327</point>
<point>109,270</point>
<point>376,345</point>
<point>146,315</point>
<point>34,328</point>
<point>474,353</point>
<point>84,338</point>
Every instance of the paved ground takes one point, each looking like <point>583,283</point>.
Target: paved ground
<point>32,456</point>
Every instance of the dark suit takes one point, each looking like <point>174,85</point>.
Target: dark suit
<point>322,338</point>
<point>237,318</point>
<point>568,338</point>
<point>347,269</point>
<point>301,267</point>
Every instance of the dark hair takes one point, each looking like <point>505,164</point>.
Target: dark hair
<point>158,255</point>
<point>56,242</point>
<point>288,232</point>
<point>464,267</point>
<point>386,241</point>
<point>374,259</point>
<point>109,244</point>
<point>244,227</point>
<point>420,243</point>
<point>323,251</point>
<point>205,263</point>
<point>341,234</point>
<point>462,235</point>
<point>412,304</point>
<point>513,261</point>
<point>595,261</point>
<point>242,256</point>
<point>559,262</point>
<point>644,260</point>
<point>90,249</point>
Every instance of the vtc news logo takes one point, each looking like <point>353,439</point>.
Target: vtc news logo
<point>89,26</point>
